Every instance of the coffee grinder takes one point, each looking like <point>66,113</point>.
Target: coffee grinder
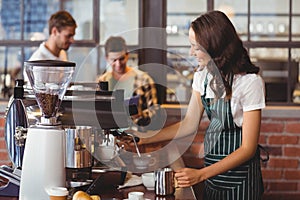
<point>44,155</point>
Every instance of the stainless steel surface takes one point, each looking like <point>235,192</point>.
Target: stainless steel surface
<point>75,184</point>
<point>16,125</point>
<point>78,142</point>
<point>164,182</point>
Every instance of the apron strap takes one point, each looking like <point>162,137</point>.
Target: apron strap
<point>266,153</point>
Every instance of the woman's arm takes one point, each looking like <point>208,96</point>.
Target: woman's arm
<point>250,135</point>
<point>183,128</point>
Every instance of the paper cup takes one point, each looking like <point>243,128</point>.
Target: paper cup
<point>58,193</point>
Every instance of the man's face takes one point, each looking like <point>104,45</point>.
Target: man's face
<point>65,37</point>
<point>117,60</point>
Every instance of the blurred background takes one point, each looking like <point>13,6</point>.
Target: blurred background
<point>270,29</point>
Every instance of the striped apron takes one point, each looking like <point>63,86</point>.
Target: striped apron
<point>222,137</point>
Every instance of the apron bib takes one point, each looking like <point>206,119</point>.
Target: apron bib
<point>222,137</point>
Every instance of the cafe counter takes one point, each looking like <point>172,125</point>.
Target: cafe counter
<point>115,194</point>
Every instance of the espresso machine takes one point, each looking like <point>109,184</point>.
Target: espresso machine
<point>103,112</point>
<point>44,156</point>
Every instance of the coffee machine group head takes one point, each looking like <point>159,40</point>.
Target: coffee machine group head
<point>44,155</point>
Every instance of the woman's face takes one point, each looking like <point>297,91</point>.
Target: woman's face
<point>197,51</point>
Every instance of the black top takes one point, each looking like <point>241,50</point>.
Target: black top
<point>50,63</point>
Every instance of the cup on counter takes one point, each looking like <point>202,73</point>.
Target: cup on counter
<point>106,153</point>
<point>148,180</point>
<point>136,196</point>
<point>57,193</point>
<point>143,161</point>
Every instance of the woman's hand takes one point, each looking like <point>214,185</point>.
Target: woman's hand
<point>187,177</point>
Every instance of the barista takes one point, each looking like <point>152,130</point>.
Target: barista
<point>228,87</point>
<point>61,35</point>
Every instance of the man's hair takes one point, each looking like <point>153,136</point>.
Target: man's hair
<point>115,44</point>
<point>60,20</point>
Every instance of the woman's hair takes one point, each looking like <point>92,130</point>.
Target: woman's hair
<point>216,34</point>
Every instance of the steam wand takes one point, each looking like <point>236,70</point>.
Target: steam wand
<point>134,138</point>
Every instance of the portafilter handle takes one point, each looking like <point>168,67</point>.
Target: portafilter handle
<point>118,133</point>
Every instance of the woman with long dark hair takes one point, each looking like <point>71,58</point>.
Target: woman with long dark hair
<point>227,86</point>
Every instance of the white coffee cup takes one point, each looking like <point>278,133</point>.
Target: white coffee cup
<point>143,161</point>
<point>136,196</point>
<point>106,153</point>
<point>148,180</point>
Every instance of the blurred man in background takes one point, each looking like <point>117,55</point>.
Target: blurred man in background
<point>62,28</point>
<point>134,82</point>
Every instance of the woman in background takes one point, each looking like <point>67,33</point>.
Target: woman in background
<point>227,86</point>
